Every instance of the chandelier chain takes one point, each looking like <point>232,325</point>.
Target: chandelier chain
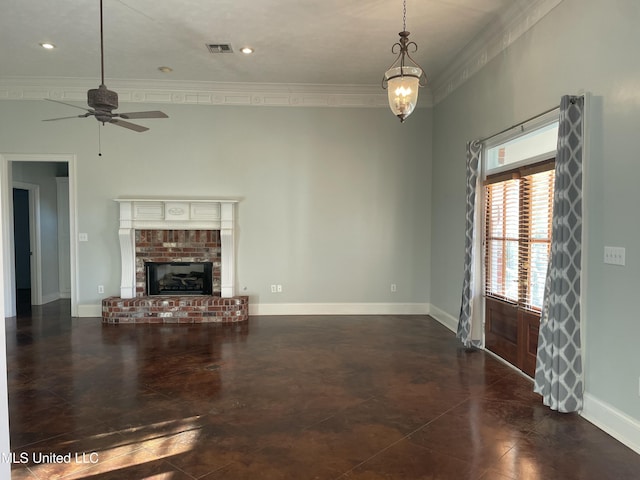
<point>404,15</point>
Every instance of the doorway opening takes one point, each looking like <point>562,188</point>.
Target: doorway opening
<point>38,210</point>
<point>518,209</point>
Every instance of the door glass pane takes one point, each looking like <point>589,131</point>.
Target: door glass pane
<point>511,270</point>
<point>518,238</point>
<point>502,239</point>
<point>537,273</point>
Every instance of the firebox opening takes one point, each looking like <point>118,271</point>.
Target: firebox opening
<point>179,278</point>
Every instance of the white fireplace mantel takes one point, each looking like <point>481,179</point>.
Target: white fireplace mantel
<point>176,214</point>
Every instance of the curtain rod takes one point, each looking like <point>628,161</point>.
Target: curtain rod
<point>482,140</point>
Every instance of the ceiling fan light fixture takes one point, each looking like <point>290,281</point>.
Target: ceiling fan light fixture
<point>402,80</point>
<point>103,102</point>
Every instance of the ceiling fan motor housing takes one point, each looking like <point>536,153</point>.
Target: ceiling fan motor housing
<point>102,99</point>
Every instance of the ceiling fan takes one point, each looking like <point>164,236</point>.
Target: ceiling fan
<point>103,101</point>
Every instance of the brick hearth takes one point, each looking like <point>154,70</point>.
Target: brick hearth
<point>175,309</point>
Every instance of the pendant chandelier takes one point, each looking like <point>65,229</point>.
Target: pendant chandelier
<point>403,79</point>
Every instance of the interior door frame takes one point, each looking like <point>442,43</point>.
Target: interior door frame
<point>6,201</point>
<point>34,240</point>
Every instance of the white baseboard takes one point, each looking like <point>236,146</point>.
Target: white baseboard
<point>444,318</point>
<point>619,425</point>
<point>90,310</point>
<point>339,309</point>
<point>51,297</point>
<point>309,309</point>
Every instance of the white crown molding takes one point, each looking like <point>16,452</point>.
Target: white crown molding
<point>489,44</point>
<point>496,38</point>
<point>202,93</point>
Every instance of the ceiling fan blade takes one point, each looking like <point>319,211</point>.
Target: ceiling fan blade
<point>129,125</point>
<point>69,105</point>
<point>151,114</point>
<point>65,118</point>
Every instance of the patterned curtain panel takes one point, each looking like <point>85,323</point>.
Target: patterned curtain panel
<point>470,332</point>
<point>558,375</point>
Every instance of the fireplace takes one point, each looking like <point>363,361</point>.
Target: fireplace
<point>155,214</point>
<point>179,278</point>
<point>191,242</point>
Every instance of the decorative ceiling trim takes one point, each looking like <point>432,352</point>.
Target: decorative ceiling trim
<point>201,93</point>
<point>489,44</point>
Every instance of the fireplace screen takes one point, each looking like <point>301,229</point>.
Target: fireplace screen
<point>179,278</point>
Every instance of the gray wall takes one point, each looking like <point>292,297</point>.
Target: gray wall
<point>334,201</point>
<point>579,46</point>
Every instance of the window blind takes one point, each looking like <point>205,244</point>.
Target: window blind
<point>519,208</point>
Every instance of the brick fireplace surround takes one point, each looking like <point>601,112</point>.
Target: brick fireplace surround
<point>176,231</point>
<point>176,246</point>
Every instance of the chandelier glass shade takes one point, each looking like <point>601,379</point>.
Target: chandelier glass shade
<point>402,89</point>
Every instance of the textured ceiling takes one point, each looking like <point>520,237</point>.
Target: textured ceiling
<point>333,42</point>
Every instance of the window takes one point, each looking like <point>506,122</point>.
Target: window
<point>519,206</point>
<point>528,148</point>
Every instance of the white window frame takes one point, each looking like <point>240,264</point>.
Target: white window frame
<point>515,133</point>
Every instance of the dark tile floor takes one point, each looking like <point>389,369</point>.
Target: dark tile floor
<point>299,398</point>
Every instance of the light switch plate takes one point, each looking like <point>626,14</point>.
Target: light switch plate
<point>614,255</point>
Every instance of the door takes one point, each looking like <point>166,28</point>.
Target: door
<point>22,246</point>
<point>518,214</point>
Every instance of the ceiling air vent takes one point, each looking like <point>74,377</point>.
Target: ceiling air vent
<point>219,47</point>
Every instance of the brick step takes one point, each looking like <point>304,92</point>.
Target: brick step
<point>175,309</point>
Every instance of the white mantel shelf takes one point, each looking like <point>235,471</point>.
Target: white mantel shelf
<point>178,199</point>
<point>176,214</point>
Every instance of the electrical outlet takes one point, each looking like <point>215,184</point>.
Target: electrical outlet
<point>394,287</point>
<point>274,289</point>
<point>83,237</point>
<point>279,288</point>
<point>100,288</point>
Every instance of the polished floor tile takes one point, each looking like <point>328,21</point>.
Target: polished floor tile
<point>291,398</point>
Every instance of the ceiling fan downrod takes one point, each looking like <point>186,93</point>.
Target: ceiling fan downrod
<point>101,49</point>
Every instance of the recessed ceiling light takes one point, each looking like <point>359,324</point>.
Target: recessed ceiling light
<point>48,46</point>
<point>246,50</point>
<point>165,69</point>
